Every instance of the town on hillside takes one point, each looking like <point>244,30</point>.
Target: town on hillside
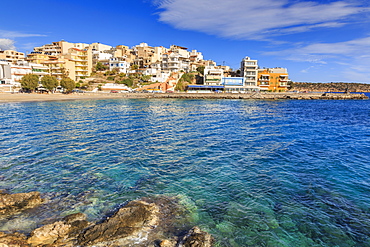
<point>65,66</point>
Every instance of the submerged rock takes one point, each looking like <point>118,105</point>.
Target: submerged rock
<point>196,238</point>
<point>13,203</point>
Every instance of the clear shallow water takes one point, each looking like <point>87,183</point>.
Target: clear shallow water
<point>252,173</point>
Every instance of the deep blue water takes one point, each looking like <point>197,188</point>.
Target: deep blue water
<point>252,173</point>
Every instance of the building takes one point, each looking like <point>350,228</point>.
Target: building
<point>274,80</point>
<point>249,70</point>
<point>6,82</point>
<point>116,63</point>
<point>11,56</point>
<point>213,75</point>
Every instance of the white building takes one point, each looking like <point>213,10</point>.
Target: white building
<point>116,63</point>
<point>213,75</point>
<point>7,84</point>
<point>249,70</point>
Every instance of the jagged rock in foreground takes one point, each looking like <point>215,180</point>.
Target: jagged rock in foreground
<point>141,223</point>
<point>13,203</point>
<point>133,221</point>
<point>13,240</point>
<point>60,233</point>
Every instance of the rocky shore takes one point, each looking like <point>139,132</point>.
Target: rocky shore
<point>7,97</point>
<point>262,96</point>
<point>145,222</point>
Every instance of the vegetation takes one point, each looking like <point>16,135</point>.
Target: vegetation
<point>200,69</point>
<point>30,82</point>
<point>128,82</point>
<point>68,84</point>
<point>49,82</point>
<point>101,67</point>
<point>329,87</point>
<point>185,80</point>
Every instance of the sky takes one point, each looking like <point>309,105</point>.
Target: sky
<point>317,40</point>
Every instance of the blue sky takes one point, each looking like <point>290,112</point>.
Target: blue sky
<point>318,40</point>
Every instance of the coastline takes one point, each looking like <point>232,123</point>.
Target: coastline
<point>32,97</point>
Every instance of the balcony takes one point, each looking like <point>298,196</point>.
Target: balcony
<point>81,70</point>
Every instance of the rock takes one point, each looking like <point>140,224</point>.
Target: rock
<point>130,223</point>
<point>196,238</point>
<point>168,243</point>
<point>13,240</point>
<point>61,233</point>
<point>12,203</point>
<point>49,234</point>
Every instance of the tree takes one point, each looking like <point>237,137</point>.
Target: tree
<point>200,69</point>
<point>30,82</point>
<point>68,84</point>
<point>49,82</point>
<point>101,67</point>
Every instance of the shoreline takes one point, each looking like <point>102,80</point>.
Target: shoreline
<point>34,97</point>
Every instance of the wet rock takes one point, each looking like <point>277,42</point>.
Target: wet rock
<point>60,233</point>
<point>13,240</point>
<point>168,243</point>
<point>130,223</point>
<point>196,238</point>
<point>12,203</point>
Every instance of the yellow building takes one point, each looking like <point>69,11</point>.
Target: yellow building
<point>59,67</point>
<point>11,56</point>
<point>82,59</point>
<point>273,80</point>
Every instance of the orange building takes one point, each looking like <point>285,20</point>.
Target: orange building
<point>273,80</point>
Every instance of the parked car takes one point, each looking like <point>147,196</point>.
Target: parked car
<point>113,91</point>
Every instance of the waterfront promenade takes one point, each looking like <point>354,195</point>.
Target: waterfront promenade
<point>24,97</point>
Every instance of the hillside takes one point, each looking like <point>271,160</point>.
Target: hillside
<point>330,87</point>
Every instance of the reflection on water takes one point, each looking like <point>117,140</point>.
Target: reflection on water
<point>253,173</point>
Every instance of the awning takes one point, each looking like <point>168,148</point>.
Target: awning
<point>204,86</point>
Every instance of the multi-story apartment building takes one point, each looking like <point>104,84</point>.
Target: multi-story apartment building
<point>116,63</point>
<point>213,75</point>
<point>58,48</point>
<point>60,67</point>
<point>275,79</point>
<point>11,56</point>
<point>124,53</point>
<point>82,59</point>
<point>5,73</point>
<point>249,70</point>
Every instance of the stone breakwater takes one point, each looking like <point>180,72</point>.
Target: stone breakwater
<point>145,222</point>
<point>262,96</point>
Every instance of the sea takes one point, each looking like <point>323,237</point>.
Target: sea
<point>250,172</point>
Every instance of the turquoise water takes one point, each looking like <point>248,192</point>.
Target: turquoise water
<point>252,173</point>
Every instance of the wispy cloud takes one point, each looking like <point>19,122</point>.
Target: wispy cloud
<point>349,57</point>
<point>15,34</point>
<point>7,44</point>
<point>250,19</point>
<point>319,52</point>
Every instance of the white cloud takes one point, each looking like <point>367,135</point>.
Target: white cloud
<point>251,19</point>
<point>15,34</point>
<point>349,58</point>
<point>7,44</point>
